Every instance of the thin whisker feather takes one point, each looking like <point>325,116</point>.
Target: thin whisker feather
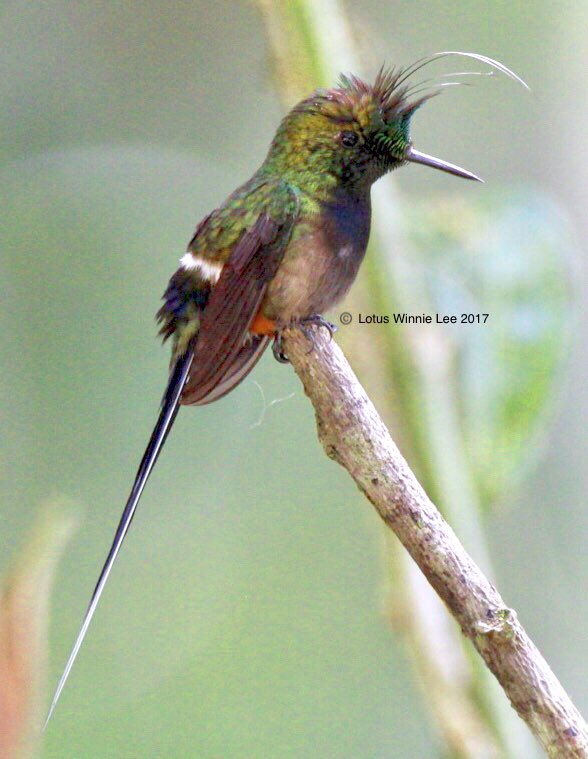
<point>493,63</point>
<point>488,61</point>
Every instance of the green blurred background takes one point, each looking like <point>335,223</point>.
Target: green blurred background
<point>245,615</point>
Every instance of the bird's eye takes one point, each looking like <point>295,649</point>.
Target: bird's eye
<point>348,139</point>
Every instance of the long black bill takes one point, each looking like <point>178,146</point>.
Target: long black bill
<point>415,156</point>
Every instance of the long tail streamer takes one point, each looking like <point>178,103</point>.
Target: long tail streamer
<point>169,410</point>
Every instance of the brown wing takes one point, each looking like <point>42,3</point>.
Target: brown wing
<point>239,368</point>
<point>222,354</point>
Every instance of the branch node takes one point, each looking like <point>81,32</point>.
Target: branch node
<point>502,624</point>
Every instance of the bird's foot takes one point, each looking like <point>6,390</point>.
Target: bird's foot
<point>318,321</point>
<point>304,326</point>
<point>278,349</point>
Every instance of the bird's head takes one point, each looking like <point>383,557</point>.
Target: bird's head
<point>355,132</point>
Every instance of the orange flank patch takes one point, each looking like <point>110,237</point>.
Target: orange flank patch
<point>261,325</point>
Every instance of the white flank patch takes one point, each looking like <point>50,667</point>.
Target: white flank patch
<point>208,269</point>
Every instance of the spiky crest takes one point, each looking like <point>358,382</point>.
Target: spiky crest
<point>385,101</point>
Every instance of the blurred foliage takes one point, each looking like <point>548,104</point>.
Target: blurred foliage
<point>24,616</point>
<point>509,255</point>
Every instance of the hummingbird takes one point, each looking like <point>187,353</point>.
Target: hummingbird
<point>281,250</point>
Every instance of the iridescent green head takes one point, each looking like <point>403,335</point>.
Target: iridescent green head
<point>352,134</point>
<point>356,132</point>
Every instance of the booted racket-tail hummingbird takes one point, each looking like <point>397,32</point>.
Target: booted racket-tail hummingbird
<point>282,249</point>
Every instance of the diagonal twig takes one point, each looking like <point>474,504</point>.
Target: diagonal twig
<point>353,434</point>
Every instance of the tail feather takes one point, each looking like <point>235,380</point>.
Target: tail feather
<point>169,409</point>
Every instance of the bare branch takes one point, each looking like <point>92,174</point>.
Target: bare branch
<point>353,434</point>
